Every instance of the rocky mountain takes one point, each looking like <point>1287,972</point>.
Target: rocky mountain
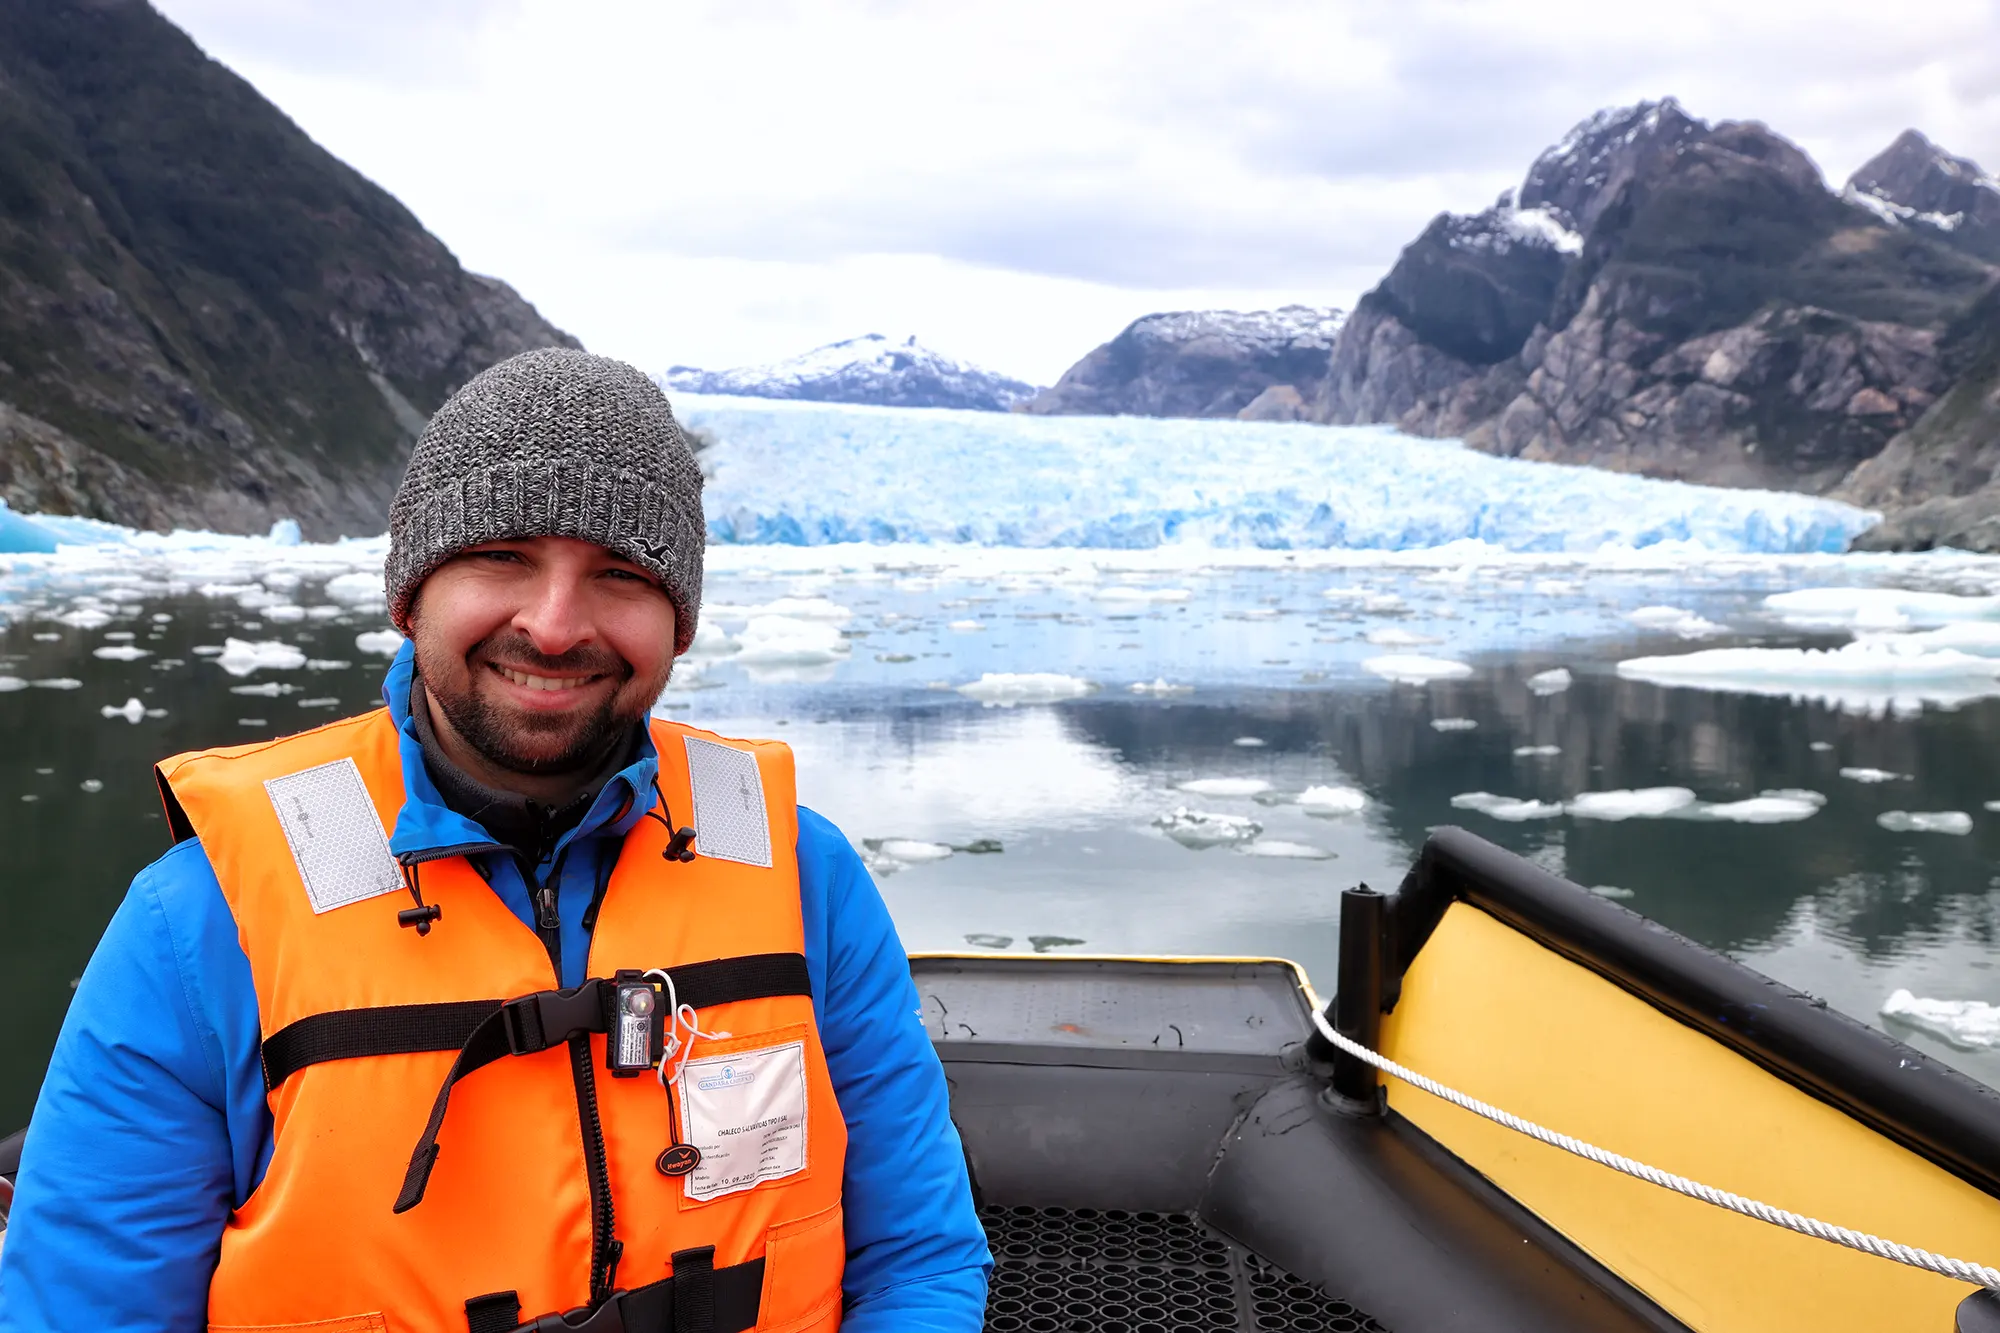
<point>869,369</point>
<point>1667,297</point>
<point>1262,365</point>
<point>205,318</point>
<point>1915,183</point>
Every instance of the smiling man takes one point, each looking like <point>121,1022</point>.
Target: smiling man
<point>506,1005</point>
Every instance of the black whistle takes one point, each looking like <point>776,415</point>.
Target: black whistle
<point>420,917</point>
<point>680,846</point>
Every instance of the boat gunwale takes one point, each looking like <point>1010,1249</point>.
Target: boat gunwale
<point>1936,1111</point>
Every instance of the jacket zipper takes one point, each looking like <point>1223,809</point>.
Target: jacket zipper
<point>605,1248</point>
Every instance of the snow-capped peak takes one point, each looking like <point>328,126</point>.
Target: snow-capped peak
<point>869,369</point>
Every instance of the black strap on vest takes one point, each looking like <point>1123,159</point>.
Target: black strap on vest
<point>496,1312</point>
<point>534,1023</point>
<point>404,1029</point>
<point>698,1298</point>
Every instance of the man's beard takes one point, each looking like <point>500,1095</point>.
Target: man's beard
<point>498,738</point>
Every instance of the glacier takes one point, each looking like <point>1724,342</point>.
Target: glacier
<point>812,474</point>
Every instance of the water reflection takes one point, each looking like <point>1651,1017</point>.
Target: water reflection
<point>1070,792</point>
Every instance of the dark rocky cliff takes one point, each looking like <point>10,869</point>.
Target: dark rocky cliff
<point>1262,364</point>
<point>1719,316</point>
<point>1916,183</point>
<point>205,318</point>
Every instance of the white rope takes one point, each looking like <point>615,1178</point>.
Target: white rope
<point>1978,1274</point>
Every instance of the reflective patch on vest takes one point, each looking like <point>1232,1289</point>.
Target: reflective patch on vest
<point>730,821</point>
<point>335,835</point>
<point>746,1112</point>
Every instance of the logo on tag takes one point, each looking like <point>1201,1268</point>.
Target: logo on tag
<point>730,1077</point>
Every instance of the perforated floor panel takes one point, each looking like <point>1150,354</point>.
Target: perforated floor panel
<point>1083,1270</point>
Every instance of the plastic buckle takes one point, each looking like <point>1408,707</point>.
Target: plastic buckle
<point>558,1016</point>
<point>606,1318</point>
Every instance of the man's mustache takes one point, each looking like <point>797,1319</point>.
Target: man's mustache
<point>521,654</point>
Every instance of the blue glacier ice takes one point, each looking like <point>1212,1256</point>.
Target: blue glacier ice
<point>810,474</point>
<point>20,536</point>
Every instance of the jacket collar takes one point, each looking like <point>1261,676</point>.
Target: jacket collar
<point>427,829</point>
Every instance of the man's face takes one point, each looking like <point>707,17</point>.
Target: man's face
<point>539,651</point>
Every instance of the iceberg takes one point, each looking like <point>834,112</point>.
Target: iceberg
<point>20,536</point>
<point>1955,822</point>
<point>1225,786</point>
<point>812,474</point>
<point>1877,608</point>
<point>1867,675</point>
<point>1004,689</point>
<point>1628,803</point>
<point>1410,669</point>
<point>1970,1025</point>
<point>1200,829</point>
<point>1511,809</point>
<point>1332,801</point>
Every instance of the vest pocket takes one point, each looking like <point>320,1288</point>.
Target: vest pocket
<point>803,1261</point>
<point>351,1323</point>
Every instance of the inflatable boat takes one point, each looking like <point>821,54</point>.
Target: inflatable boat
<point>1165,1144</point>
<point>1202,1144</point>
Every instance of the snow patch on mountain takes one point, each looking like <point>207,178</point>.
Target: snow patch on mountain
<point>1288,328</point>
<point>869,370</point>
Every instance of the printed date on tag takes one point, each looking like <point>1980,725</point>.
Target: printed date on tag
<point>747,1113</point>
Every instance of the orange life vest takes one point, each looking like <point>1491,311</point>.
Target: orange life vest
<point>547,1172</point>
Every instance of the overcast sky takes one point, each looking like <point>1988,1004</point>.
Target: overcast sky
<point>717,184</point>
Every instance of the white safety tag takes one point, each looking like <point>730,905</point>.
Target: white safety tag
<point>746,1112</point>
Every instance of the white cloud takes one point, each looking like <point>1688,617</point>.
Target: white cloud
<point>720,183</point>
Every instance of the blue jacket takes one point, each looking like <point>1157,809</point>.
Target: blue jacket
<point>151,1125</point>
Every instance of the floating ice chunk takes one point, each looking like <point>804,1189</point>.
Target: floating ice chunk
<point>1870,775</point>
<point>1553,681</point>
<point>910,851</point>
<point>1409,669</point>
<point>319,703</point>
<point>1819,747</point>
<point>133,711</point>
<point>1969,1025</point>
<point>1631,803</point>
<point>1123,593</point>
<point>1453,724</point>
<point>356,589</point>
<point>119,636</point>
<point>1925,821</point>
<point>58,683</point>
<point>1674,620</point>
<point>88,617</point>
<point>711,640</point>
<point>327,664</point>
<point>1397,637</point>
<point>1332,800</point>
<point>1990,805</point>
<point>284,613</point>
<point>285,532</point>
<point>1224,786</point>
<point>770,641</point>
<point>241,657</point>
<point>1769,807</point>
<point>382,642</point>
<point>269,689</point>
<point>92,785</point>
<point>1511,809</point>
<point>966,626</point>
<point>48,638</point>
<point>793,608</point>
<point>1878,608</point>
<point>1969,636</point>
<point>1866,674</point>
<point>120,652</point>
<point>206,650</point>
<point>1160,686</point>
<point>1290,851</point>
<point>1536,751</point>
<point>1199,829</point>
<point>8,684</point>
<point>1249,742</point>
<point>1611,891</point>
<point>1004,689</point>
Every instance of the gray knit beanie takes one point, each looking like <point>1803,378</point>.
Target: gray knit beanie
<point>553,443</point>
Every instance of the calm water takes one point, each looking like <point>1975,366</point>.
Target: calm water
<point>859,669</point>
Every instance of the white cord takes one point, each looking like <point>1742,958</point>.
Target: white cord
<point>679,1016</point>
<point>1964,1271</point>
